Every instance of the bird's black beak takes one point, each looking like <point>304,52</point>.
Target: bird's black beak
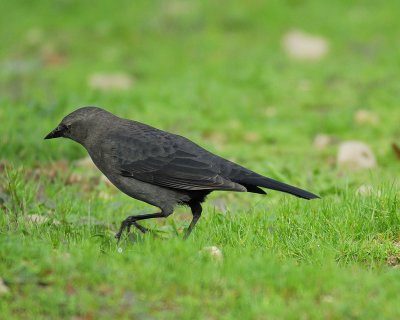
<point>56,133</point>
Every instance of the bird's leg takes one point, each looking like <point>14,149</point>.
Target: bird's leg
<point>196,212</point>
<point>138,226</point>
<point>131,220</point>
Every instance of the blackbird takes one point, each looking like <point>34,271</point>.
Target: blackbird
<point>158,167</point>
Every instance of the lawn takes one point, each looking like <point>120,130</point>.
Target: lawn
<point>220,74</point>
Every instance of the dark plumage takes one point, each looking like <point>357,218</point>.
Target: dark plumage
<point>157,167</point>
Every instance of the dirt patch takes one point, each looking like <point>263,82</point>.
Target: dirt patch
<point>393,261</point>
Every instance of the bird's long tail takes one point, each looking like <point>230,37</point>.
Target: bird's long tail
<point>254,181</point>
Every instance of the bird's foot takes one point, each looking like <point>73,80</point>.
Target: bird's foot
<point>126,224</point>
<point>139,227</point>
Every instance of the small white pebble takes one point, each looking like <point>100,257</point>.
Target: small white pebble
<point>321,141</point>
<point>366,117</point>
<point>213,251</point>
<point>355,155</point>
<point>304,46</point>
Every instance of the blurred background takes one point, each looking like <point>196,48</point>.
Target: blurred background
<point>303,91</point>
<point>271,84</point>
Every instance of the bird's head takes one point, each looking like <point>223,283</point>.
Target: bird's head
<point>77,125</point>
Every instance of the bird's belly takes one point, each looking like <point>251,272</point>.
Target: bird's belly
<point>152,194</point>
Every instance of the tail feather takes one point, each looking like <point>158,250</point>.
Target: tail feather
<point>253,182</point>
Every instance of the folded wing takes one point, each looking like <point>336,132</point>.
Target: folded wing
<point>170,162</point>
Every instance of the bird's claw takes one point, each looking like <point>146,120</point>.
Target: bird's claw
<point>126,224</point>
<point>139,227</point>
<point>118,236</point>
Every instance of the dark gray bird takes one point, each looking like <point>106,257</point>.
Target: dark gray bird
<point>158,167</point>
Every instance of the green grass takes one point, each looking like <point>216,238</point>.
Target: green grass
<point>216,73</point>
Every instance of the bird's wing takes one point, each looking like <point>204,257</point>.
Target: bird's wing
<point>167,160</point>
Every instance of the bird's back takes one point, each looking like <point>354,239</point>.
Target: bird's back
<point>168,160</point>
